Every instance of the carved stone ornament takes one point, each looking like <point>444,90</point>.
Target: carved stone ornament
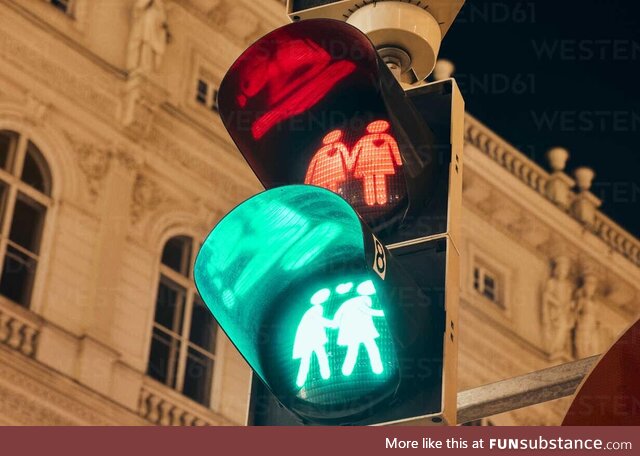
<point>147,197</point>
<point>140,103</point>
<point>586,341</point>
<point>149,35</point>
<point>94,161</point>
<point>556,308</point>
<point>240,24</point>
<point>36,109</point>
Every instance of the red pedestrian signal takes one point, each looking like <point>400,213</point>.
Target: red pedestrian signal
<point>313,103</point>
<point>373,158</point>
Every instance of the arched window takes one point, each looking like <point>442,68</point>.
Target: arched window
<point>25,190</point>
<point>183,343</point>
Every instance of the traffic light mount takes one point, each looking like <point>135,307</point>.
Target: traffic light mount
<point>407,34</point>
<point>432,261</point>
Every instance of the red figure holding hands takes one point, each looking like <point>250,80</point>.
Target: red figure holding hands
<point>329,166</point>
<point>375,155</point>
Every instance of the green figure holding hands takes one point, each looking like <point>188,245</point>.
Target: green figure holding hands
<point>355,324</point>
<point>311,337</point>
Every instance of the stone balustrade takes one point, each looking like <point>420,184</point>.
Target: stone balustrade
<point>164,407</point>
<point>506,155</point>
<point>537,178</point>
<point>19,330</point>
<point>617,238</point>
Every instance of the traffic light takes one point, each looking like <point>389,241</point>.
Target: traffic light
<point>319,308</point>
<point>339,284</point>
<point>313,103</point>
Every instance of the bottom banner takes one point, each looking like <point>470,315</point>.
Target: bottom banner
<point>318,440</point>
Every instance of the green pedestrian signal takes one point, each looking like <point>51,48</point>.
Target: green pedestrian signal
<point>354,323</point>
<point>292,278</point>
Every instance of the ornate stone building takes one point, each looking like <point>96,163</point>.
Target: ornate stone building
<point>114,166</point>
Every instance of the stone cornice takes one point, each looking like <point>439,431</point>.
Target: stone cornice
<point>536,178</point>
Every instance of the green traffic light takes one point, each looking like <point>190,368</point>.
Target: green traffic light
<point>287,277</point>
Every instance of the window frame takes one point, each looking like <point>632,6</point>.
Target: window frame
<point>485,273</point>
<point>202,66</point>
<point>69,8</point>
<point>210,102</point>
<point>186,283</point>
<point>11,176</point>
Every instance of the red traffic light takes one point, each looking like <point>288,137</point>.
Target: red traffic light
<point>312,102</point>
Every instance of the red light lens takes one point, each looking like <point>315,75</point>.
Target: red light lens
<point>304,104</point>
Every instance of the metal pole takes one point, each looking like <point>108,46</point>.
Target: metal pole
<point>518,392</point>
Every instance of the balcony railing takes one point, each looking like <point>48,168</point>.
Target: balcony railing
<point>19,328</point>
<point>165,407</point>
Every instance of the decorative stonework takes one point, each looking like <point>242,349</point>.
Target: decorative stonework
<point>237,22</point>
<point>557,308</point>
<point>94,162</point>
<point>586,337</point>
<point>162,406</point>
<point>36,109</point>
<point>558,298</point>
<point>17,332</point>
<point>147,197</point>
<point>585,210</point>
<point>149,35</point>
<point>142,98</point>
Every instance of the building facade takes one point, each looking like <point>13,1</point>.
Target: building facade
<point>114,165</point>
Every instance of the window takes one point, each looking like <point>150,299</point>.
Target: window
<point>62,5</point>
<point>25,186</point>
<point>207,94</point>
<point>486,283</point>
<point>183,342</point>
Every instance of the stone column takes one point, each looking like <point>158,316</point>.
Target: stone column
<point>96,356</point>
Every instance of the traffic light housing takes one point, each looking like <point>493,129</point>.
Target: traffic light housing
<point>312,103</point>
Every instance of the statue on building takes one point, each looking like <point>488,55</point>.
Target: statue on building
<point>149,35</point>
<point>556,307</point>
<point>585,331</point>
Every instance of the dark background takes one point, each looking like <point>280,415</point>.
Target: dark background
<point>558,73</point>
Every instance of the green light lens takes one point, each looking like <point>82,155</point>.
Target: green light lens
<point>285,275</point>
